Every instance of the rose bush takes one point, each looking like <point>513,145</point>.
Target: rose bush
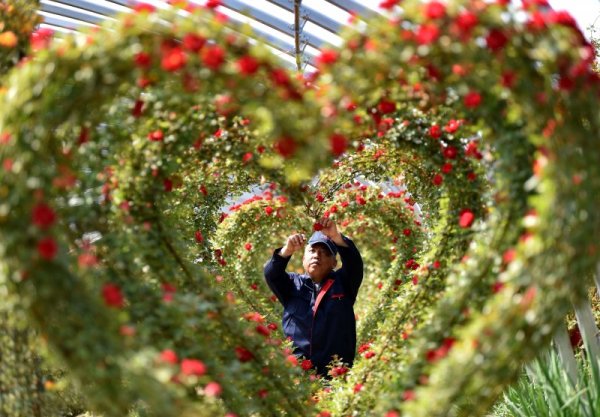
<point>454,141</point>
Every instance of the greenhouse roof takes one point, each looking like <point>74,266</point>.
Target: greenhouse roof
<point>273,20</point>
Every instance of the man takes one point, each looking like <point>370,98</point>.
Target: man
<point>318,305</point>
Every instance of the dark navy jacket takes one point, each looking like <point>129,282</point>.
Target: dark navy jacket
<point>332,329</point>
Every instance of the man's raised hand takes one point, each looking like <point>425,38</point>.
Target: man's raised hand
<point>292,244</point>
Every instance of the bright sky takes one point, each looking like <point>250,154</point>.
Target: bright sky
<point>587,12</point>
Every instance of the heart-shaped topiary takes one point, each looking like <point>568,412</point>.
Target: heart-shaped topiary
<point>121,147</point>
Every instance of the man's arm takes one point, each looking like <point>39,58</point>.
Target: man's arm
<point>352,264</point>
<point>277,279</point>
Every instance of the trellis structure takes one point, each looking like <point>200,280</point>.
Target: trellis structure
<point>273,20</point>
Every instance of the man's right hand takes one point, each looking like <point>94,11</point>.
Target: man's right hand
<point>292,244</point>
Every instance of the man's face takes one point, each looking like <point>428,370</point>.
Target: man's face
<point>318,261</point>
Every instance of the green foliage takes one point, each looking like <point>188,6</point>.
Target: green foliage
<point>547,390</point>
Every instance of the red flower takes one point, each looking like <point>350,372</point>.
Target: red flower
<point>138,107</point>
<point>450,152</point>
<point>466,21</point>
<point>407,395</point>
<point>168,185</point>
<point>243,354</point>
<point>173,59</point>
<point>306,364</point>
<point>358,388</point>
<point>156,136</point>
<point>198,236</point>
<point>466,218</point>
<point>40,39</point>
<point>285,146</point>
<point>435,131</point>
<point>213,57</point>
<point>280,77</point>
<point>248,246</point>
<point>496,39</point>
<point>452,126</point>
<point>247,65</point>
<point>327,57</point>
<point>317,227</point>
<point>43,216</point>
<point>169,356</point>
<point>438,179</point>
<point>144,8</point>
<point>193,367</point>
<point>113,297</point>
<point>427,34</point>
<point>386,106</point>
<point>263,330</point>
<point>213,389</point>
<point>269,210</point>
<point>369,354</point>
<point>142,60</point>
<point>193,42</point>
<point>435,10</point>
<point>338,371</point>
<point>389,4</point>
<point>47,248</point>
<point>472,99</point>
<point>338,144</point>
<point>447,168</point>
<point>212,4</point>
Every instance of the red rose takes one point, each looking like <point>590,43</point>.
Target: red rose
<point>466,218</point>
<point>388,4</point>
<point>142,60</point>
<point>243,354</point>
<point>213,389</point>
<point>472,99</point>
<point>198,236</point>
<point>450,152</point>
<point>193,367</point>
<point>496,39</point>
<point>137,108</point>
<point>386,106</point>
<point>213,57</point>
<point>212,4</point>
<point>452,126</point>
<point>43,216</point>
<point>247,65</point>
<point>435,10</point>
<point>285,146</point>
<point>173,59</point>
<point>435,131</point>
<point>40,39</point>
<point>193,42</point>
<point>156,136</point>
<point>113,297</point>
<point>447,168</point>
<point>327,57</point>
<point>269,210</point>
<point>169,356</point>
<point>248,246</point>
<point>338,144</point>
<point>427,34</point>
<point>317,227</point>
<point>47,248</point>
<point>306,364</point>
<point>144,8</point>
<point>466,21</point>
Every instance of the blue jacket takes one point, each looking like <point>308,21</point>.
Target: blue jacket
<point>332,328</point>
